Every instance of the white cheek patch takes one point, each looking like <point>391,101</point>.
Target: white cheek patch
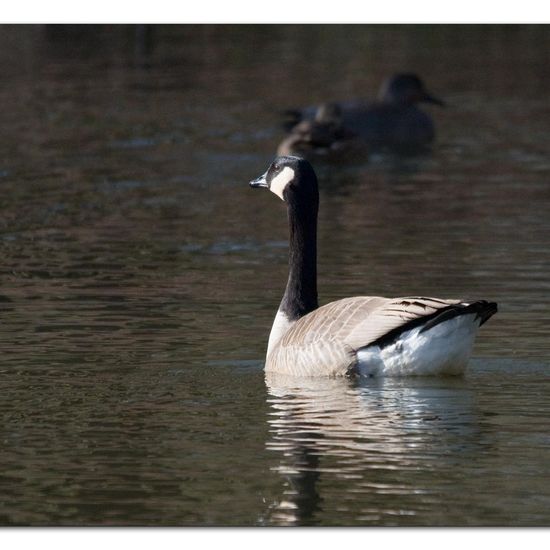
<point>279,183</point>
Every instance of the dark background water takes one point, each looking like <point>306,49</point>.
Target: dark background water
<point>140,276</point>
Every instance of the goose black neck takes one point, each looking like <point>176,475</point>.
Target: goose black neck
<point>300,296</point>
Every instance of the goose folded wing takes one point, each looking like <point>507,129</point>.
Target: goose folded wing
<point>362,320</point>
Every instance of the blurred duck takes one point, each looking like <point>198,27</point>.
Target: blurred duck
<point>322,136</point>
<point>392,121</point>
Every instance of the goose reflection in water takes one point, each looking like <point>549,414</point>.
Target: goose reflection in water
<point>386,439</point>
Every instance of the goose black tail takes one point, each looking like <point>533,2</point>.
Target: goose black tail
<point>482,308</point>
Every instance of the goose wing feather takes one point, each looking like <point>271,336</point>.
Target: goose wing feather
<point>394,313</point>
<point>360,320</point>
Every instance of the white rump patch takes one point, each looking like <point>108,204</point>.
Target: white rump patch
<point>279,182</point>
<point>444,349</point>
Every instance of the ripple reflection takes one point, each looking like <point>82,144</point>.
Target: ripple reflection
<point>380,437</point>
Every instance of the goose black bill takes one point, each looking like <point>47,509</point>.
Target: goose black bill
<point>260,182</point>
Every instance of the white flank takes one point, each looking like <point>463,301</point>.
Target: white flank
<point>444,349</point>
<point>279,182</point>
<point>280,325</point>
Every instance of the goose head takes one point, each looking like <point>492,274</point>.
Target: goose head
<point>406,89</point>
<point>292,179</point>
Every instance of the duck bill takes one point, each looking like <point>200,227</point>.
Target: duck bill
<point>428,98</point>
<point>260,182</point>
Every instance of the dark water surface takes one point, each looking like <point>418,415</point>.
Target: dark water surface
<point>140,276</point>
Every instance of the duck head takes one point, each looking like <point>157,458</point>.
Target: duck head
<point>406,89</point>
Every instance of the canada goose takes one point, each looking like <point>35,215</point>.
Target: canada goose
<point>322,137</point>
<point>393,121</point>
<point>366,335</point>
